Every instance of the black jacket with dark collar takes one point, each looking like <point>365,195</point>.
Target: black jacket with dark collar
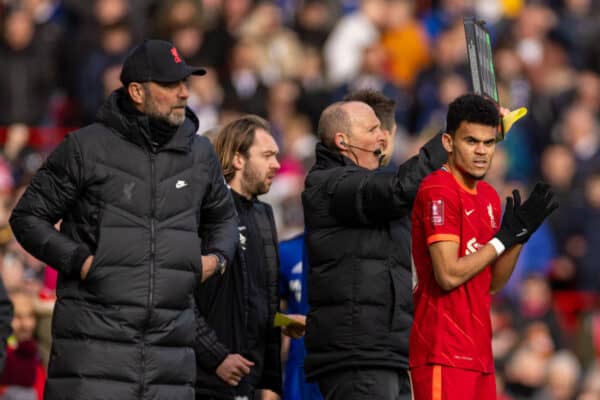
<point>226,304</point>
<point>360,285</point>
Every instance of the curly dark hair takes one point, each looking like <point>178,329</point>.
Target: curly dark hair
<point>471,108</point>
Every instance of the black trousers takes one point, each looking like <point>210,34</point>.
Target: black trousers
<point>366,384</point>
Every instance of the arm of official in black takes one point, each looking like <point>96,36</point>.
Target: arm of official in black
<point>213,356</point>
<point>218,228</point>
<point>52,192</point>
<point>377,196</point>
<point>209,351</point>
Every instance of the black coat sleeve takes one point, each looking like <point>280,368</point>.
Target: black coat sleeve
<point>52,192</point>
<point>210,353</point>
<point>367,197</point>
<point>218,229</point>
<point>6,315</point>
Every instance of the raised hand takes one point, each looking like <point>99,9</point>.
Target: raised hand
<point>512,230</point>
<point>540,204</point>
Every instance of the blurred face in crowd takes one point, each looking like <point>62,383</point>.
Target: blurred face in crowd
<point>260,166</point>
<point>165,101</point>
<point>470,150</point>
<point>23,323</point>
<point>18,30</point>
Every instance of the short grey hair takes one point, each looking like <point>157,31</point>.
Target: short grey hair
<point>333,119</point>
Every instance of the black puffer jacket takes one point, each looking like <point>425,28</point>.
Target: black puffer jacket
<point>127,330</point>
<point>359,288</point>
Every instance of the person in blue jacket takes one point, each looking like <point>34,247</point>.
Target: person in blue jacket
<point>292,288</point>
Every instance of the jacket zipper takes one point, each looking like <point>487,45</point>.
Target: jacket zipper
<point>152,262</point>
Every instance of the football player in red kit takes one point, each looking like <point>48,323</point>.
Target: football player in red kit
<point>464,250</point>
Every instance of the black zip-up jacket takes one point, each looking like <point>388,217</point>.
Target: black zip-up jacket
<point>147,214</point>
<point>225,302</point>
<point>360,283</point>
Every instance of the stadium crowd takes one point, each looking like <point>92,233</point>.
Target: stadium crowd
<point>286,60</point>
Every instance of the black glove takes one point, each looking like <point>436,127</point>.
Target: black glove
<point>512,230</point>
<point>537,207</point>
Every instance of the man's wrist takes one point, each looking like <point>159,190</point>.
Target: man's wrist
<point>498,245</point>
<point>221,263</point>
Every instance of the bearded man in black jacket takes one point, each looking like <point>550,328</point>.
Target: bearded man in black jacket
<point>145,217</point>
<point>360,285</point>
<point>240,305</point>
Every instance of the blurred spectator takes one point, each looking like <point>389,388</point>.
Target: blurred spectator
<point>23,159</point>
<point>371,75</point>
<point>221,37</point>
<point>90,21</point>
<point>278,49</point>
<point>591,384</point>
<point>558,168</point>
<point>26,74</point>
<point>578,26</point>
<point>281,106</point>
<point>536,316</point>
<point>243,88</point>
<point>313,22</point>
<point>190,39</point>
<point>59,56</point>
<point>587,91</point>
<point>562,377</point>
<point>510,74</point>
<point>314,92</point>
<point>171,15</point>
<point>505,335</point>
<point>206,96</point>
<point>524,373</point>
<point>13,271</point>
<point>6,316</point>
<point>405,42</point>
<point>448,63</point>
<point>113,44</point>
<point>588,277</point>
<point>580,131</point>
<point>24,375</point>
<point>444,15</point>
<point>345,45</point>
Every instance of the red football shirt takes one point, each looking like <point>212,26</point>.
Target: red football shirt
<point>452,327</point>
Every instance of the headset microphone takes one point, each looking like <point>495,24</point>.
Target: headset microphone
<point>376,152</point>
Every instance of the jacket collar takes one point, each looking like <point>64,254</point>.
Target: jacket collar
<point>135,127</point>
<point>327,158</point>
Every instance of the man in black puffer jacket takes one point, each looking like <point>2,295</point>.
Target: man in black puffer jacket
<point>145,217</point>
<point>360,291</point>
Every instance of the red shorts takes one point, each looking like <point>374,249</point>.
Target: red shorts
<point>440,382</point>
